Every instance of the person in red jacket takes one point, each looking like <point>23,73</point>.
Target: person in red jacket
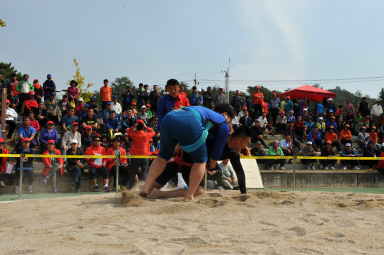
<point>51,165</point>
<point>140,135</point>
<point>31,105</point>
<point>111,162</point>
<point>3,161</point>
<point>97,166</point>
<point>380,164</point>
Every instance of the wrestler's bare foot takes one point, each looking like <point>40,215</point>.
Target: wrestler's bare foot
<point>155,193</point>
<point>143,193</point>
<point>188,198</point>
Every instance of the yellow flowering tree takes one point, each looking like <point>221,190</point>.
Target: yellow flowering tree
<point>83,88</point>
<point>2,23</point>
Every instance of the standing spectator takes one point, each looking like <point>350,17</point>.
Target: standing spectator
<point>321,125</point>
<point>97,166</point>
<point>12,82</point>
<point>93,105</point>
<point>10,118</point>
<point>238,102</point>
<point>258,99</point>
<point>288,106</point>
<point>345,135</point>
<point>195,99</point>
<point>182,92</point>
<point>320,108</point>
<point>73,91</point>
<point>111,163</point>
<point>39,92</point>
<point>49,134</point>
<point>49,87</point>
<point>26,131</point>
<point>348,151</point>
<point>373,135</point>
<point>23,88</point>
<point>106,94</point>
<point>291,117</point>
<point>27,164</point>
<point>75,166</point>
<point>116,106</point>
<point>154,97</point>
<point>220,97</point>
<point>3,160</point>
<point>207,98</point>
<point>70,136</point>
<point>51,165</point>
<point>140,95</point>
<point>376,111</point>
<point>349,110</point>
<point>68,119</point>
<point>380,164</point>
<point>173,100</point>
<point>140,135</point>
<point>364,107</point>
<point>328,151</point>
<point>300,128</point>
<point>127,98</point>
<point>42,115</point>
<point>275,106</point>
<point>331,107</point>
<point>80,105</point>
<point>309,151</point>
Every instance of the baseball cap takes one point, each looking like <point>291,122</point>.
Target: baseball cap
<point>320,118</point>
<point>244,107</point>
<point>74,141</point>
<point>148,105</point>
<point>50,122</point>
<point>80,99</point>
<point>363,127</point>
<point>373,127</point>
<point>115,97</point>
<point>333,117</point>
<point>88,127</point>
<point>31,93</point>
<point>305,109</point>
<point>328,142</point>
<point>49,76</point>
<point>8,102</point>
<point>330,110</point>
<point>75,123</point>
<point>1,140</point>
<point>289,97</point>
<point>347,125</point>
<point>348,145</point>
<point>331,127</point>
<point>258,142</point>
<point>143,107</point>
<point>330,99</point>
<point>309,142</point>
<point>282,112</point>
<point>25,139</point>
<point>109,103</point>
<point>140,121</point>
<point>274,93</point>
<point>86,105</point>
<point>257,87</point>
<point>50,142</point>
<point>133,103</point>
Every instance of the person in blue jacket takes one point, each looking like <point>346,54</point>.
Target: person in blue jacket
<point>191,127</point>
<point>113,123</point>
<point>315,137</point>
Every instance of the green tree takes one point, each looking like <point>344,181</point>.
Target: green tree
<point>83,88</point>
<point>119,86</point>
<point>6,69</point>
<point>2,23</point>
<point>381,96</point>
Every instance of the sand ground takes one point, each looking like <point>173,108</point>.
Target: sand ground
<point>221,222</point>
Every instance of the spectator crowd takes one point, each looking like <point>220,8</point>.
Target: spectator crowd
<point>128,124</point>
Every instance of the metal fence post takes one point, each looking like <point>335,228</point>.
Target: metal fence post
<point>294,172</point>
<point>21,175</point>
<point>117,172</point>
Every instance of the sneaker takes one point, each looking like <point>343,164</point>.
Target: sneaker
<point>30,189</point>
<point>282,168</point>
<point>313,167</point>
<point>356,168</point>
<point>107,189</point>
<point>326,168</point>
<point>45,180</point>
<point>345,168</point>
<point>54,191</point>
<point>332,168</point>
<point>96,188</point>
<point>2,184</point>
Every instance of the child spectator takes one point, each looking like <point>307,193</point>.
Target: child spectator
<point>52,164</point>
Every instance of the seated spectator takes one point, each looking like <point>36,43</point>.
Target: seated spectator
<point>148,112</point>
<point>30,105</point>
<point>82,114</point>
<point>345,135</point>
<point>328,151</point>
<point>299,128</point>
<point>34,123</point>
<point>68,119</point>
<point>380,164</point>
<point>332,137</point>
<point>229,176</point>
<point>309,125</point>
<point>134,108</point>
<point>27,164</point>
<point>90,121</point>
<point>257,133</point>
<point>246,120</point>
<point>51,165</point>
<point>291,132</point>
<point>71,135</point>
<point>75,166</point>
<point>111,163</point>
<point>105,141</point>
<point>142,115</point>
<point>38,89</point>
<point>321,125</point>
<point>363,137</point>
<point>264,121</point>
<point>105,113</point>
<point>53,112</point>
<point>373,135</point>
<point>235,121</point>
<point>3,160</point>
<point>291,117</point>
<point>309,151</point>
<point>275,150</point>
<point>48,134</point>
<point>116,106</point>
<point>281,122</point>
<point>10,118</point>
<point>97,166</point>
<point>42,116</point>
<point>113,123</point>
<point>258,151</point>
<point>80,105</point>
<point>332,122</point>
<point>286,145</point>
<point>13,100</point>
<point>370,151</point>
<point>315,136</point>
<point>128,119</point>
<point>26,131</point>
<point>348,151</point>
<point>357,128</point>
<point>87,138</point>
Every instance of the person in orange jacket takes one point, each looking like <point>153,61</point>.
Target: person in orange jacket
<point>140,135</point>
<point>51,165</point>
<point>31,105</point>
<point>345,135</point>
<point>97,166</point>
<point>115,149</point>
<point>332,137</point>
<point>3,161</point>
<point>373,135</point>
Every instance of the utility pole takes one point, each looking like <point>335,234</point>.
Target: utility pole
<point>3,107</point>
<point>226,75</point>
<point>195,80</point>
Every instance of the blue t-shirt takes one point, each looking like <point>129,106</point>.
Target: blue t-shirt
<point>27,133</point>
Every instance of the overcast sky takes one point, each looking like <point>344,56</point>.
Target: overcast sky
<point>152,41</point>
